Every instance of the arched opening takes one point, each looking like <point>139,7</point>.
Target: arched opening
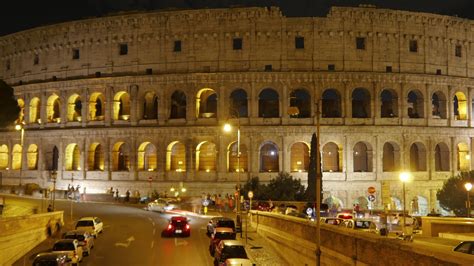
<point>238,103</point>
<point>395,204</point>
<point>299,161</point>
<point>72,157</point>
<point>16,160</point>
<point>55,159</point>
<point>206,156</point>
<point>391,157</point>
<point>438,105</point>
<point>96,107</point>
<point>147,159</point>
<point>360,103</point>
<point>463,157</point>
<point>206,103</point>
<point>74,108</point>
<point>95,157</point>
<point>389,100</point>
<point>442,161</point>
<point>35,110</point>
<point>460,106</point>
<point>4,157</point>
<point>53,109</point>
<point>236,164</point>
<point>415,104</point>
<point>331,104</point>
<point>21,114</point>
<point>300,104</point>
<point>32,157</point>
<point>178,105</point>
<point>150,106</point>
<point>419,206</point>
<point>122,106</point>
<point>332,158</point>
<point>362,157</point>
<point>121,157</point>
<point>176,157</point>
<point>269,158</point>
<point>268,104</point>
<point>417,157</point>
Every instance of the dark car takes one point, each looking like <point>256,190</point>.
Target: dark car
<point>51,259</point>
<point>221,233</point>
<point>220,222</point>
<point>178,226</point>
<point>465,247</point>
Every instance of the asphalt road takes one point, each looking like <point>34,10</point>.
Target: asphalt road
<point>132,236</point>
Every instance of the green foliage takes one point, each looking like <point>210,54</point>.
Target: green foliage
<point>452,196</point>
<point>282,188</point>
<point>310,193</point>
<point>9,108</point>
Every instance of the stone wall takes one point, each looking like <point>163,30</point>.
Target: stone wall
<point>433,226</point>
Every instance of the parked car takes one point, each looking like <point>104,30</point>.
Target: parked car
<point>345,215</point>
<point>465,247</point>
<point>86,240</point>
<point>51,259</point>
<point>229,249</point>
<point>71,248</point>
<point>238,262</point>
<point>365,225</point>
<point>178,225</point>
<point>397,218</point>
<point>160,205</point>
<point>220,222</point>
<point>91,224</point>
<point>261,206</point>
<point>220,233</point>
<point>331,220</point>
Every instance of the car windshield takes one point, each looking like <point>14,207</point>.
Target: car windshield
<point>78,237</point>
<point>225,224</point>
<point>63,246</point>
<point>85,223</point>
<point>224,235</point>
<point>235,252</point>
<point>362,224</point>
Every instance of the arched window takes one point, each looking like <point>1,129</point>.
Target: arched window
<point>362,158</point>
<point>95,159</point>
<point>96,107</point>
<point>53,109</point>
<point>417,157</point>
<point>176,157</point>
<point>460,106</point>
<point>389,100</point>
<point>21,114</point>
<point>442,161</point>
<point>233,161</point>
<point>74,108</point>
<point>147,157</point>
<point>16,160</point>
<point>178,105</point>
<point>415,104</point>
<point>150,106</point>
<point>32,157</point>
<point>438,105</point>
<point>391,157</point>
<point>360,103</point>
<point>463,157</point>
<point>206,103</point>
<point>206,156</point>
<point>238,103</point>
<point>299,161</point>
<point>332,158</point>
<point>121,157</point>
<point>72,157</point>
<point>4,157</point>
<point>268,104</point>
<point>35,110</point>
<point>121,106</point>
<point>300,104</point>
<point>269,158</point>
<point>331,104</point>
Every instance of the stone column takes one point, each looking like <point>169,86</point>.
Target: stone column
<point>190,157</point>
<point>85,107</point>
<point>108,105</point>
<point>134,102</point>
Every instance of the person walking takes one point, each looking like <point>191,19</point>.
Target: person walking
<point>127,195</point>
<point>116,195</point>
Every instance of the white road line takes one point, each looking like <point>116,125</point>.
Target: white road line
<point>152,243</point>
<point>154,231</point>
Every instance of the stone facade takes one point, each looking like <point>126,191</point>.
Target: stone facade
<point>393,91</point>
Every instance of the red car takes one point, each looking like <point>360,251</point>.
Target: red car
<point>178,226</point>
<point>220,233</point>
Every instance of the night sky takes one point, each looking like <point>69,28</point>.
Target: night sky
<point>19,15</point>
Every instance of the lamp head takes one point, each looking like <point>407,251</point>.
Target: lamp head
<point>404,177</point>
<point>468,186</point>
<point>18,127</point>
<point>227,127</point>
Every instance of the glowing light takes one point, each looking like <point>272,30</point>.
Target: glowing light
<point>227,127</point>
<point>18,127</point>
<point>180,162</point>
<point>183,189</point>
<point>298,162</point>
<point>39,120</point>
<point>150,169</point>
<point>468,186</point>
<point>272,153</point>
<point>207,170</point>
<point>404,177</point>
<point>300,171</point>
<point>172,189</point>
<point>468,156</point>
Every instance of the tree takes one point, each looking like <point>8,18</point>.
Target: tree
<point>452,196</point>
<point>9,109</point>
<point>285,188</point>
<point>253,184</point>
<point>311,189</point>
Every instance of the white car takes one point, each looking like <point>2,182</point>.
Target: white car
<point>365,225</point>
<point>160,205</point>
<point>91,224</point>
<point>69,247</point>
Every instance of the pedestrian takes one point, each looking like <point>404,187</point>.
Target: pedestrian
<point>50,208</point>
<point>116,194</point>
<point>127,195</point>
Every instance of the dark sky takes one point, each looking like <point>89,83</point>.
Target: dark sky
<point>18,15</point>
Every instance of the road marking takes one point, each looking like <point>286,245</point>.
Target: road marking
<point>152,243</point>
<point>180,242</point>
<point>154,231</point>
<point>127,244</point>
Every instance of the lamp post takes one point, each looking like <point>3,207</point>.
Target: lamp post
<point>404,177</point>
<point>54,175</point>
<point>468,187</point>
<point>21,127</point>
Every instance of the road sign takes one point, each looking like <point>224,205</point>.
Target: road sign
<point>371,190</point>
<point>250,194</point>
<point>205,203</point>
<point>309,211</point>
<point>371,198</point>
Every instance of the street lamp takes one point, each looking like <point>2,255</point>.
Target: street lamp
<point>54,175</point>
<point>404,177</point>
<point>468,187</point>
<point>21,128</point>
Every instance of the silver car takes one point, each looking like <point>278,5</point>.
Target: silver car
<point>85,239</point>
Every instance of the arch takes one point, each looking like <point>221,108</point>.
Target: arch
<point>150,106</point>
<point>53,108</point>
<point>419,206</point>
<point>460,106</point>
<point>442,161</point>
<point>268,104</point>
<point>438,105</point>
<point>74,108</point>
<point>417,157</point>
<point>239,102</point>
<point>362,157</point>
<point>206,103</point>
<point>16,157</point>
<point>147,159</point>
<point>72,157</point>
<point>35,111</point>
<point>95,158</point>
<point>178,105</point>
<point>206,156</point>
<point>269,161</point>
<point>463,158</point>
<point>332,157</point>
<point>4,157</point>
<point>21,114</point>
<point>121,157</point>
<point>395,204</point>
<point>234,163</point>
<point>121,106</point>
<point>176,157</point>
<point>360,103</point>
<point>389,100</point>
<point>300,104</point>
<point>299,158</point>
<point>415,104</point>
<point>32,157</point>
<point>331,103</point>
<point>96,106</point>
<point>391,157</point>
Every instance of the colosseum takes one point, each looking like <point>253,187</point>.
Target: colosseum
<point>117,101</point>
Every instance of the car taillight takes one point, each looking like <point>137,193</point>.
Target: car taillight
<point>170,227</point>
<point>187,227</point>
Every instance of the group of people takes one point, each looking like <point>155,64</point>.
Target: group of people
<point>219,202</point>
<point>115,193</point>
<point>73,192</point>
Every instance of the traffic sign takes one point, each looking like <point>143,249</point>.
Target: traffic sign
<point>371,198</point>
<point>205,203</point>
<point>250,194</point>
<point>371,190</point>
